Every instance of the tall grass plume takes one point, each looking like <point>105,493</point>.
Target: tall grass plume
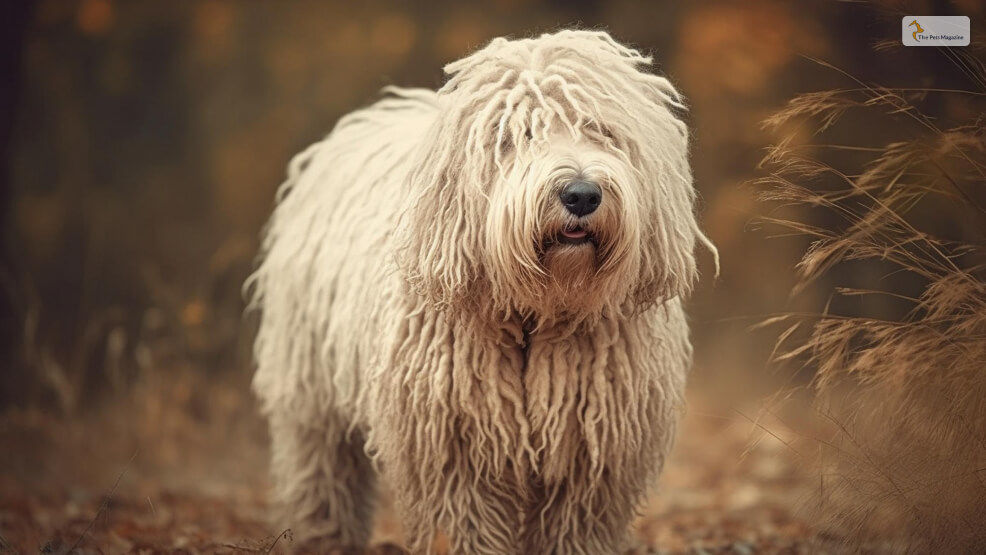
<point>896,209</point>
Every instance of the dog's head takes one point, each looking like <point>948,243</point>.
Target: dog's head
<point>555,183</point>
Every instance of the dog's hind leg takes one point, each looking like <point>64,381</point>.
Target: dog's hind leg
<point>323,482</point>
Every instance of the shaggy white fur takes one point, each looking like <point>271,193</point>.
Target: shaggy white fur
<point>421,310</point>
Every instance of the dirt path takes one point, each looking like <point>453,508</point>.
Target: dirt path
<point>155,478</point>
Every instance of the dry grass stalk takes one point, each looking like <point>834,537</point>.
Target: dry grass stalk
<point>905,469</point>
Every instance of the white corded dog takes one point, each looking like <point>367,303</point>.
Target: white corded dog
<point>479,290</point>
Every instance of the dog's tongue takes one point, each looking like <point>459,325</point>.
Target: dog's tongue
<point>574,234</point>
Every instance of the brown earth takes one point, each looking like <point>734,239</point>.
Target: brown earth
<point>179,467</point>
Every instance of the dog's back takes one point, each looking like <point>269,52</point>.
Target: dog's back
<point>327,252</point>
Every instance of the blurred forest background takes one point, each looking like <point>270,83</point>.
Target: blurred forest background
<point>142,143</point>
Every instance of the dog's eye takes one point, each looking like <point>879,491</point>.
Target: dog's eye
<point>507,145</point>
<point>596,127</point>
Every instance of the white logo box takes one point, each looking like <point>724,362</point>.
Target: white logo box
<point>935,30</point>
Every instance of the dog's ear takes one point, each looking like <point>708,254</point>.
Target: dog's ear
<point>671,234</point>
<point>439,237</point>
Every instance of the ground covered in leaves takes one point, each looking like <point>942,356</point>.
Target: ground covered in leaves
<point>180,467</point>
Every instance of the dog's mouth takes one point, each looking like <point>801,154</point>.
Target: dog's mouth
<point>575,234</point>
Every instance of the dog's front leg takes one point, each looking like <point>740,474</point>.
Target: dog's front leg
<point>450,432</point>
<point>451,494</point>
<point>581,516</point>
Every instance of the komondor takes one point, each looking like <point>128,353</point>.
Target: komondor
<point>477,292</point>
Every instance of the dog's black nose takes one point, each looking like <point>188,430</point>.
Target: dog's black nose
<point>581,197</point>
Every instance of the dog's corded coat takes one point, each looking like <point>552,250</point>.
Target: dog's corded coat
<point>517,393</point>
